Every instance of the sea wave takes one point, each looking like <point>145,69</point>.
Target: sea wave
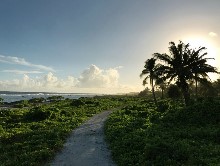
<point>27,96</point>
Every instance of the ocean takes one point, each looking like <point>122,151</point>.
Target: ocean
<point>16,96</point>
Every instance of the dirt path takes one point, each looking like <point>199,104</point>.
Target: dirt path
<point>86,145</point>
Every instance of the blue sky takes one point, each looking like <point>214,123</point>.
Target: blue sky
<point>96,45</point>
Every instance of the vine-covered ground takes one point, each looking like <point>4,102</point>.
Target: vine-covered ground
<point>32,135</point>
<point>141,134</point>
<point>138,134</point>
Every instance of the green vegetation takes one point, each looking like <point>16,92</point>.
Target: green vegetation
<point>55,98</point>
<point>138,134</point>
<point>170,134</point>
<point>173,92</point>
<point>33,134</point>
<point>1,100</point>
<point>37,100</point>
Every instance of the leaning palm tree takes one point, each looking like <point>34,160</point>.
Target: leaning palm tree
<point>182,65</point>
<point>150,71</point>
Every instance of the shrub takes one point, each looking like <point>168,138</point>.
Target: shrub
<point>1,100</point>
<point>55,98</point>
<point>163,105</point>
<point>22,104</point>
<point>77,102</point>
<point>173,92</point>
<point>37,100</point>
<point>37,114</point>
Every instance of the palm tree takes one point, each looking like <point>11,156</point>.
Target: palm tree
<point>174,67</point>
<point>150,71</point>
<point>200,68</point>
<point>182,65</point>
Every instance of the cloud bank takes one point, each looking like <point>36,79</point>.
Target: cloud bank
<point>93,80</point>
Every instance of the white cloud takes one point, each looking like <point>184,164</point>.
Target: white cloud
<point>21,72</point>
<point>50,78</point>
<point>213,34</point>
<point>94,77</point>
<point>91,80</point>
<point>48,82</point>
<point>23,62</point>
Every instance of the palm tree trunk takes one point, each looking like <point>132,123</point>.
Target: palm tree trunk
<point>196,89</point>
<point>162,93</point>
<point>186,96</point>
<point>183,85</point>
<point>153,92</point>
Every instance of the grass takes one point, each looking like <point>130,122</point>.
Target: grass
<point>141,134</point>
<point>32,135</point>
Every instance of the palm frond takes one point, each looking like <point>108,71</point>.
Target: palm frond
<point>145,81</point>
<point>163,57</point>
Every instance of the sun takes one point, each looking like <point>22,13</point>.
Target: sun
<point>195,43</point>
<point>212,51</point>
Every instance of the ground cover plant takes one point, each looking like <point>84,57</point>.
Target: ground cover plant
<point>170,134</point>
<point>33,134</point>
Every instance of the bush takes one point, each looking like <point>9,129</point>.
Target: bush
<point>163,105</point>
<point>173,92</point>
<point>37,114</point>
<point>55,98</point>
<point>1,100</point>
<point>22,104</point>
<point>37,100</point>
<point>77,102</point>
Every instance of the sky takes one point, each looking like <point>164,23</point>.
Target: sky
<point>96,46</point>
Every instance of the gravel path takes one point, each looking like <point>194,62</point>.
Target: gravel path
<point>86,145</point>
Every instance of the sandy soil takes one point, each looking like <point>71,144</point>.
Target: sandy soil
<point>86,145</point>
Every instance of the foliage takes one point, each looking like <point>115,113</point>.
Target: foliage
<point>32,135</point>
<point>173,92</point>
<point>1,100</point>
<point>207,90</point>
<point>141,134</point>
<point>145,93</point>
<point>55,98</point>
<point>37,100</point>
<point>21,104</point>
<point>216,86</point>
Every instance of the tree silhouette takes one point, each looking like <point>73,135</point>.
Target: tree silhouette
<point>200,68</point>
<point>150,71</point>
<point>183,65</point>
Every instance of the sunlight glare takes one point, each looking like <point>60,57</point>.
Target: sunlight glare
<point>212,51</point>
